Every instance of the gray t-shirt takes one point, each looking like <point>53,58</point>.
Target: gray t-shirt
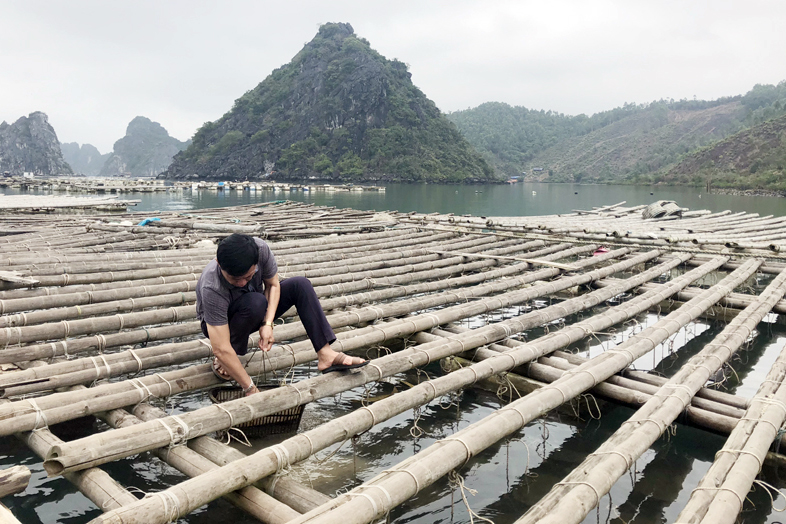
<point>214,294</point>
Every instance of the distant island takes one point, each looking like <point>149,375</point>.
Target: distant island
<point>338,112</point>
<point>30,146</point>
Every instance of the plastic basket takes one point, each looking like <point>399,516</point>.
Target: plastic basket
<point>286,421</point>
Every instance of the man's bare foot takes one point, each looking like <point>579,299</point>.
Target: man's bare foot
<point>219,371</point>
<point>334,360</point>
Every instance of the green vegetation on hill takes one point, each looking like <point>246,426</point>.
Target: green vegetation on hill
<point>338,111</point>
<point>751,159</point>
<point>632,143</point>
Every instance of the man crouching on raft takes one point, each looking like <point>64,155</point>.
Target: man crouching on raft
<point>239,292</point>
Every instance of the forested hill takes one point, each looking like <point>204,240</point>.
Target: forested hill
<point>751,159</point>
<point>339,111</point>
<point>629,143</point>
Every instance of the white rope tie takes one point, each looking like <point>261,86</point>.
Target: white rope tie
<point>66,328</point>
<point>174,314</point>
<point>474,373</point>
<point>408,472</point>
<point>141,386</point>
<point>379,370</point>
<point>433,388</point>
<point>133,304</point>
<point>368,498</point>
<point>310,443</point>
<point>282,457</point>
<point>231,418</point>
<point>299,395</point>
<point>740,452</point>
<point>100,343</point>
<point>770,401</point>
<point>628,461</point>
<point>40,416</point>
<point>373,417</point>
<point>574,372</point>
<point>434,318</point>
<point>757,420</point>
<point>458,439</point>
<point>721,488</point>
<point>582,483</point>
<point>515,409</point>
<point>165,380</point>
<point>122,321</point>
<point>98,369</point>
<point>8,332</point>
<point>108,369</point>
<point>424,352</point>
<point>138,360</point>
<point>186,429</point>
<point>377,310</point>
<point>165,496</point>
<point>642,421</point>
<point>387,495</point>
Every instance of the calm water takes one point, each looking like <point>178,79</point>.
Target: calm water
<point>509,476</point>
<point>491,200</point>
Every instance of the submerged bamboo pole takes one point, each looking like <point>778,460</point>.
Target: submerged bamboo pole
<point>573,498</point>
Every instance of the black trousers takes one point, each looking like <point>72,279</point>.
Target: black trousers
<point>247,313</point>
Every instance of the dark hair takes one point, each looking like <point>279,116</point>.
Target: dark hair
<point>237,253</point>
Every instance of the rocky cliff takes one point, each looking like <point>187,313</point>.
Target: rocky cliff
<point>30,145</point>
<point>339,111</point>
<point>84,159</point>
<point>146,150</point>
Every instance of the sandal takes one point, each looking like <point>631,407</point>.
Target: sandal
<point>338,364</point>
<point>214,368</point>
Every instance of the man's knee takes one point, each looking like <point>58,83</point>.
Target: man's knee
<point>249,304</point>
<point>301,284</point>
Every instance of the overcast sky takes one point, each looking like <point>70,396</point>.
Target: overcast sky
<point>92,66</point>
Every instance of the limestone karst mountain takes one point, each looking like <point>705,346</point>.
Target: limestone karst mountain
<point>30,145</point>
<point>339,111</point>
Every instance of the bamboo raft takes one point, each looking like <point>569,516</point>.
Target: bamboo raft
<point>97,319</point>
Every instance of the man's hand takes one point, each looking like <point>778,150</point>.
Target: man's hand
<point>266,339</point>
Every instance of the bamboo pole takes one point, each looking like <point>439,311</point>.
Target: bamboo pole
<point>440,458</point>
<point>94,483</point>
<point>98,449</point>
<point>282,488</point>
<point>300,447</point>
<point>148,334</point>
<point>13,480</point>
<point>740,459</point>
<point>708,399</point>
<point>58,407</point>
<point>250,499</point>
<point>93,310</point>
<point>570,501</point>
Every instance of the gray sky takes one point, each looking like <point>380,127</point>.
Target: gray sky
<point>92,66</point>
